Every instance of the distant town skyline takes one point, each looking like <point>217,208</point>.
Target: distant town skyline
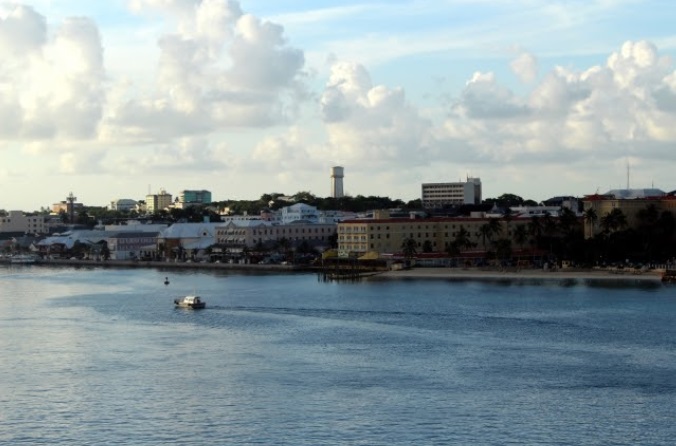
<point>538,98</point>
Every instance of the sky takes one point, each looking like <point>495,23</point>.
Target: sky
<point>539,98</point>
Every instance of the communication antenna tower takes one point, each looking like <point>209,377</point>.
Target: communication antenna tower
<point>627,174</point>
<point>71,199</point>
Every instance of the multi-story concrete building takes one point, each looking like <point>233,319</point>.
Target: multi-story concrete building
<point>235,235</point>
<point>438,195</point>
<point>158,201</point>
<point>67,207</point>
<point>193,197</point>
<point>17,221</point>
<point>129,245</point>
<point>299,212</point>
<point>604,204</point>
<point>123,204</point>
<point>387,235</point>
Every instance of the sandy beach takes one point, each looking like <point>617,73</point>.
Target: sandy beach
<point>528,274</point>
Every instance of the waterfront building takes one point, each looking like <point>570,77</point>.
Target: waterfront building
<point>387,235</point>
<point>603,205</point>
<point>186,240</point>
<point>235,236</point>
<point>129,245</point>
<point>439,195</point>
<point>60,244</point>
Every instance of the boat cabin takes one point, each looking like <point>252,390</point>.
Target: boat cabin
<point>190,302</point>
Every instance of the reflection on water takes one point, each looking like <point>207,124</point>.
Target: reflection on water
<point>93,356</point>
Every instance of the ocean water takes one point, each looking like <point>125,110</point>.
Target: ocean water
<point>101,357</point>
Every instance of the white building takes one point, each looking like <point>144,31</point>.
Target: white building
<point>299,211</point>
<point>123,204</point>
<point>128,245</point>
<point>17,221</point>
<point>438,195</point>
<point>237,235</point>
<point>535,211</point>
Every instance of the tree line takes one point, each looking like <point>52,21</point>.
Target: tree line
<point>563,238</point>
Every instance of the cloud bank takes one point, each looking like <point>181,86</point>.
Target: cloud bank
<point>222,71</point>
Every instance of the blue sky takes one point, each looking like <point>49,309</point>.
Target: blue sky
<point>538,98</point>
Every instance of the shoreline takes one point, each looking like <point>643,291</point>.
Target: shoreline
<point>525,274</point>
<point>439,273</point>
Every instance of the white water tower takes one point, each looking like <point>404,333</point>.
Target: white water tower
<point>336,182</point>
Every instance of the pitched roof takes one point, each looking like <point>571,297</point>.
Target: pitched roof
<point>190,230</point>
<point>626,194</point>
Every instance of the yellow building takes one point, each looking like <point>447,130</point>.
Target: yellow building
<point>387,235</point>
<point>157,202</point>
<point>604,204</point>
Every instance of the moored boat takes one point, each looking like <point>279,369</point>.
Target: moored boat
<point>22,259</point>
<point>193,302</point>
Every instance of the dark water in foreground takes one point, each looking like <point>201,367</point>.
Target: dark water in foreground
<point>100,357</point>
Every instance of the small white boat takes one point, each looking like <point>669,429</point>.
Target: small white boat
<point>193,302</point>
<point>22,259</point>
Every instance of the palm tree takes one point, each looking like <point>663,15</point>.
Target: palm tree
<point>503,249</point>
<point>666,225</point>
<point>495,226</point>
<point>485,232</point>
<point>452,249</point>
<point>613,221</point>
<point>489,229</point>
<point>508,217</point>
<point>105,251</point>
<point>284,246</point>
<point>591,217</point>
<point>649,232</point>
<point>408,247</point>
<point>427,246</point>
<point>568,221</point>
<point>549,229</point>
<point>462,240</point>
<point>521,235</point>
<point>548,225</point>
<point>648,216</point>
<point>535,228</point>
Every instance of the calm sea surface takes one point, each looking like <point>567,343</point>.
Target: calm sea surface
<point>101,357</point>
